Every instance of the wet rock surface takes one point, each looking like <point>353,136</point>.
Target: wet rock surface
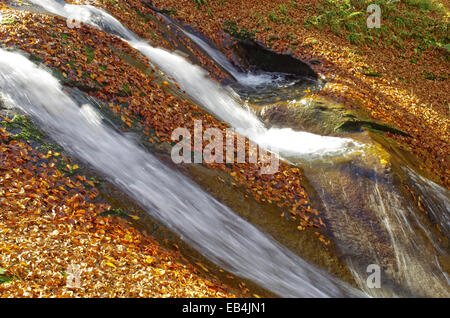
<point>321,116</point>
<point>256,56</point>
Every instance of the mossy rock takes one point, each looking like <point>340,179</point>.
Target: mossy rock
<point>357,125</point>
<point>22,128</point>
<point>119,212</point>
<point>321,116</point>
<point>313,115</point>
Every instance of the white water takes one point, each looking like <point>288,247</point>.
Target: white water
<point>374,223</point>
<point>415,267</point>
<point>209,94</point>
<point>249,78</point>
<point>387,206</point>
<point>436,199</point>
<point>209,226</point>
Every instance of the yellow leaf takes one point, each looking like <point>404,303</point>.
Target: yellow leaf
<point>203,267</point>
<point>110,264</point>
<point>150,259</point>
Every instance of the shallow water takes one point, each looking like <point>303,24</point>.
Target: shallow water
<point>208,93</point>
<point>206,224</point>
<point>369,216</point>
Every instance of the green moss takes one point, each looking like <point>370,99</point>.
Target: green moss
<point>22,129</point>
<point>425,5</point>
<point>429,76</point>
<point>354,125</point>
<point>35,58</point>
<point>409,22</point>
<point>125,91</point>
<point>169,11</point>
<point>232,29</point>
<point>3,277</point>
<point>7,22</point>
<point>89,51</point>
<point>119,212</point>
<point>64,37</point>
<point>200,3</point>
<point>371,72</point>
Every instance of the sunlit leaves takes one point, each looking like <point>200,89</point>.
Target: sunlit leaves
<point>48,222</point>
<point>88,62</point>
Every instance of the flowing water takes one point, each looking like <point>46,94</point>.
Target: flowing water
<point>370,218</point>
<point>267,86</point>
<point>248,78</point>
<point>374,222</point>
<point>208,93</point>
<point>207,225</point>
<point>391,239</point>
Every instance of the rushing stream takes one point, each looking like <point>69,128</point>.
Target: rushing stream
<point>207,225</point>
<point>266,86</point>
<point>370,219</point>
<point>208,93</point>
<point>364,190</point>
